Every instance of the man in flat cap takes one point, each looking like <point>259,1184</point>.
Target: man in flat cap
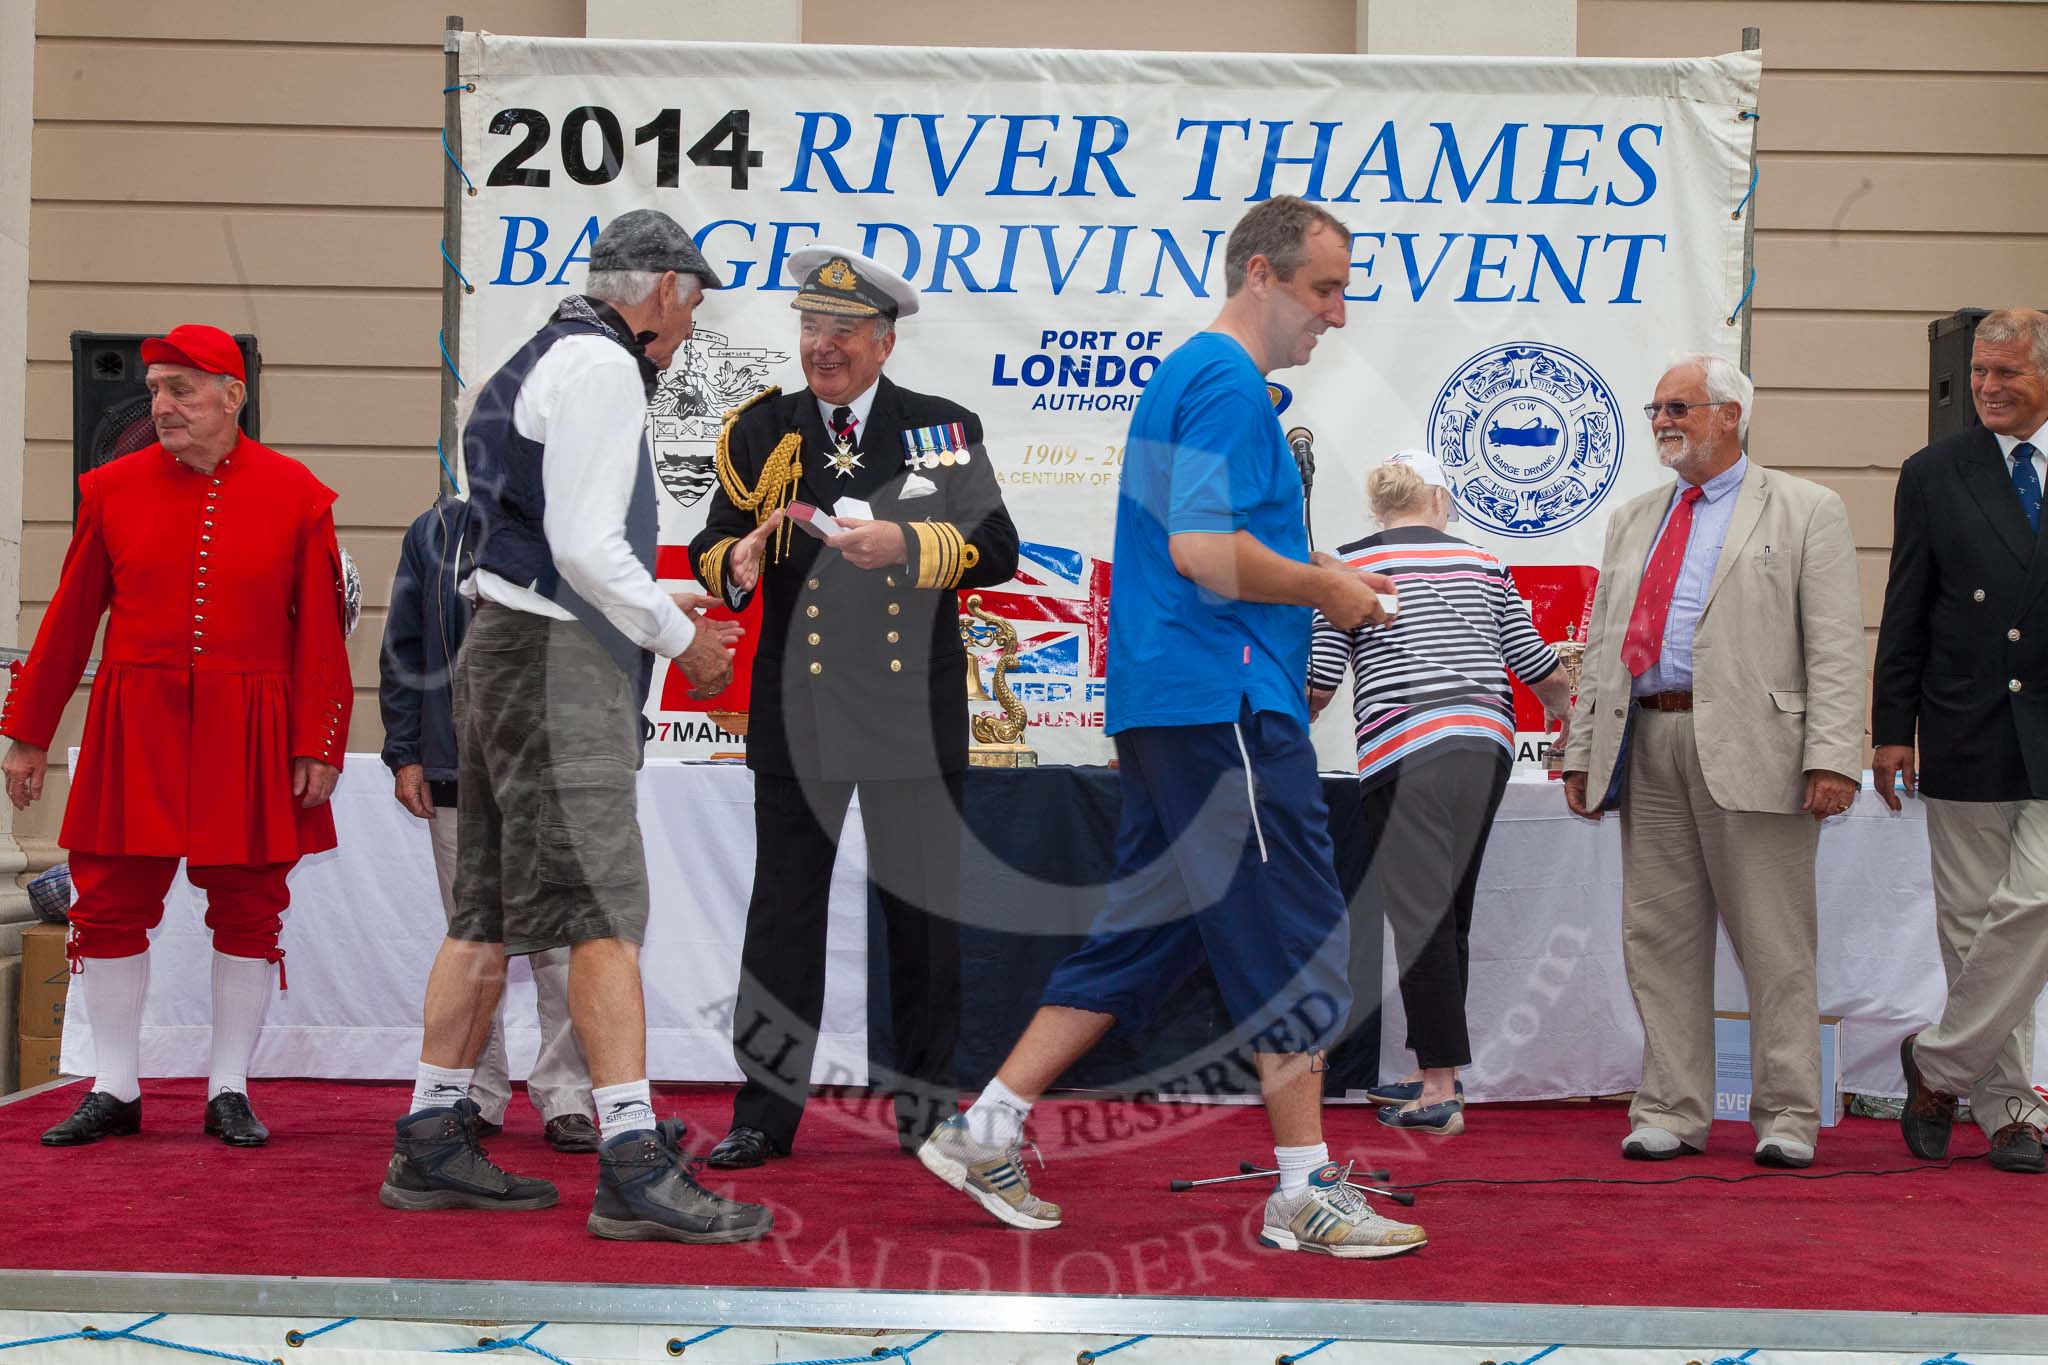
<point>549,690</point>
<point>217,723</point>
<point>859,682</point>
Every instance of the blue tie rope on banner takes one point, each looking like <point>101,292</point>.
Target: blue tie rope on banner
<point>1304,1355</point>
<point>441,340</point>
<point>296,1337</point>
<point>457,164</point>
<point>1737,1360</point>
<point>1741,302</point>
<point>131,1333</point>
<point>879,1353</point>
<point>522,1341</point>
<point>467,287</point>
<point>1737,215</point>
<point>1538,1356</point>
<point>1087,1357</point>
<point>676,1346</point>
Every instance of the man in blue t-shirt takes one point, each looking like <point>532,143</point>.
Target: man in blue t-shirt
<point>1223,853</point>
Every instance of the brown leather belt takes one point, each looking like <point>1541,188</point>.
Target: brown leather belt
<point>1666,701</point>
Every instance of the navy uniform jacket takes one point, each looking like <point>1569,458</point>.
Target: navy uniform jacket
<point>1962,650</point>
<point>859,674</point>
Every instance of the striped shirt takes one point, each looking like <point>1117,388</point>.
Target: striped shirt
<point>1437,676</point>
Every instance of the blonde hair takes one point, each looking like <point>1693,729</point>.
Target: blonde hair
<point>1396,490</point>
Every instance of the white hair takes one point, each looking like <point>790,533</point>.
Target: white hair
<point>1725,383</point>
<point>623,288</point>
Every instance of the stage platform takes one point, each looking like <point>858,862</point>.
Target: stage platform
<point>1866,1233</point>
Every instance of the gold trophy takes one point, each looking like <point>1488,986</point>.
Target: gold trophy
<point>1571,652</point>
<point>998,739</point>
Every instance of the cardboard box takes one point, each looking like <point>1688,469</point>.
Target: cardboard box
<point>38,1060</point>
<point>1732,1075</point>
<point>45,978</point>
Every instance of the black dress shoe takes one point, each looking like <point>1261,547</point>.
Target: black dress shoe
<point>229,1118</point>
<point>2017,1147</point>
<point>741,1148</point>
<point>99,1115</point>
<point>1929,1114</point>
<point>571,1133</point>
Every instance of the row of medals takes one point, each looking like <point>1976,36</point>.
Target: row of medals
<point>845,459</point>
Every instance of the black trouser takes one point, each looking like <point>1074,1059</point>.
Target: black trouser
<point>913,836</point>
<point>1428,829</point>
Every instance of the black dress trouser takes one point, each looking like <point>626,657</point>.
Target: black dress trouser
<point>913,836</point>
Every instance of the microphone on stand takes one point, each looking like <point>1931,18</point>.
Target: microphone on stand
<point>1302,442</point>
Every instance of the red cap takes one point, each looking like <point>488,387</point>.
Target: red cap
<point>197,347</point>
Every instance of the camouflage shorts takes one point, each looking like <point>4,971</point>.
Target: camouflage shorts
<point>548,741</point>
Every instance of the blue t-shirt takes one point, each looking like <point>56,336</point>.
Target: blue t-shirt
<point>1204,453</point>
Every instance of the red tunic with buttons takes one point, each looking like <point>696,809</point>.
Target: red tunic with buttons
<point>224,658</point>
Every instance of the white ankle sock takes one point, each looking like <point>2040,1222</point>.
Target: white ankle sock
<point>623,1108</point>
<point>997,1117</point>
<point>438,1087</point>
<point>241,997</point>
<point>114,987</point>
<point>1297,1164</point>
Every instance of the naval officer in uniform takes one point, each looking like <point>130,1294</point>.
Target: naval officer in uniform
<point>859,683</point>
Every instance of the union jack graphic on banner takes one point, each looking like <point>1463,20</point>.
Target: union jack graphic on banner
<point>1066,590</point>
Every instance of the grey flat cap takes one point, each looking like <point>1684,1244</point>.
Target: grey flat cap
<point>648,239</point>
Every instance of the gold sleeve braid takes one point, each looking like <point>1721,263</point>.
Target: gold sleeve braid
<point>943,554</point>
<point>779,475</point>
<point>711,567</point>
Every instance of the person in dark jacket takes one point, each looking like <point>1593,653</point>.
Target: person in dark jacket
<point>422,633</point>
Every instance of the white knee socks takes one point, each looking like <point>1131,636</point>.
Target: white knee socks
<point>114,987</point>
<point>241,997</point>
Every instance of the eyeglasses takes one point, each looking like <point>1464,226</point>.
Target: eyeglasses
<point>1678,410</point>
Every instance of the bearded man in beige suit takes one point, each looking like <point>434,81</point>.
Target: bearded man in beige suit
<point>1721,712</point>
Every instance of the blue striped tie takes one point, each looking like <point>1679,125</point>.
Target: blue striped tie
<point>2027,483</point>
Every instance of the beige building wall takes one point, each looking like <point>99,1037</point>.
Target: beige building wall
<point>274,169</point>
<point>277,169</point>
<point>1903,174</point>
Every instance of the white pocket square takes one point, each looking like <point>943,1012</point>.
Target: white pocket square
<point>916,486</point>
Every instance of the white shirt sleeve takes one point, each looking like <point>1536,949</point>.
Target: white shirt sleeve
<point>591,418</point>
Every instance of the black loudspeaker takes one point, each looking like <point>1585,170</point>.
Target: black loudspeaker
<point>1949,406</point>
<point>110,405</point>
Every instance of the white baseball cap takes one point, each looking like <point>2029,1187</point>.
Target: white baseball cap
<point>1431,470</point>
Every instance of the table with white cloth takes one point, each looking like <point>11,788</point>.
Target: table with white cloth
<point>1549,1002</point>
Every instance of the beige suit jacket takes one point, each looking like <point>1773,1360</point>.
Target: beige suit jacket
<point>1778,658</point>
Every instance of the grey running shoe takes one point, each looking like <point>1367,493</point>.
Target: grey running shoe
<point>645,1194</point>
<point>992,1177</point>
<point>441,1164</point>
<point>1331,1216</point>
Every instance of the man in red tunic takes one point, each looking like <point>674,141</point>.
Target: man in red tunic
<point>217,721</point>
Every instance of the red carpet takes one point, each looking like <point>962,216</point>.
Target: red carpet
<point>850,1212</point>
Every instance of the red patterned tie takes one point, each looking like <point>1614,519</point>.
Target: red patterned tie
<point>1644,640</point>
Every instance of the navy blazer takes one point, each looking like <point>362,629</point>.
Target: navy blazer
<point>422,635</point>
<point>1962,650</point>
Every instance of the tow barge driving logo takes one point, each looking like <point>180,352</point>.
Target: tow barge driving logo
<point>1531,438</point>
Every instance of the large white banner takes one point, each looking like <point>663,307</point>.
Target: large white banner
<point>1532,239</point>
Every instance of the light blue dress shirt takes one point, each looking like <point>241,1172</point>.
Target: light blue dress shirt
<point>1710,517</point>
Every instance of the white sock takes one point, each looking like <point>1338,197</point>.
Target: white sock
<point>623,1108</point>
<point>114,987</point>
<point>997,1117</point>
<point>438,1087</point>
<point>1297,1164</point>
<point>241,997</point>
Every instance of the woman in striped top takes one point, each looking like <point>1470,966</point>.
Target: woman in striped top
<point>1436,732</point>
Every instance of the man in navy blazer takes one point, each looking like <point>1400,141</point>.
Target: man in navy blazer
<point>1962,665</point>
